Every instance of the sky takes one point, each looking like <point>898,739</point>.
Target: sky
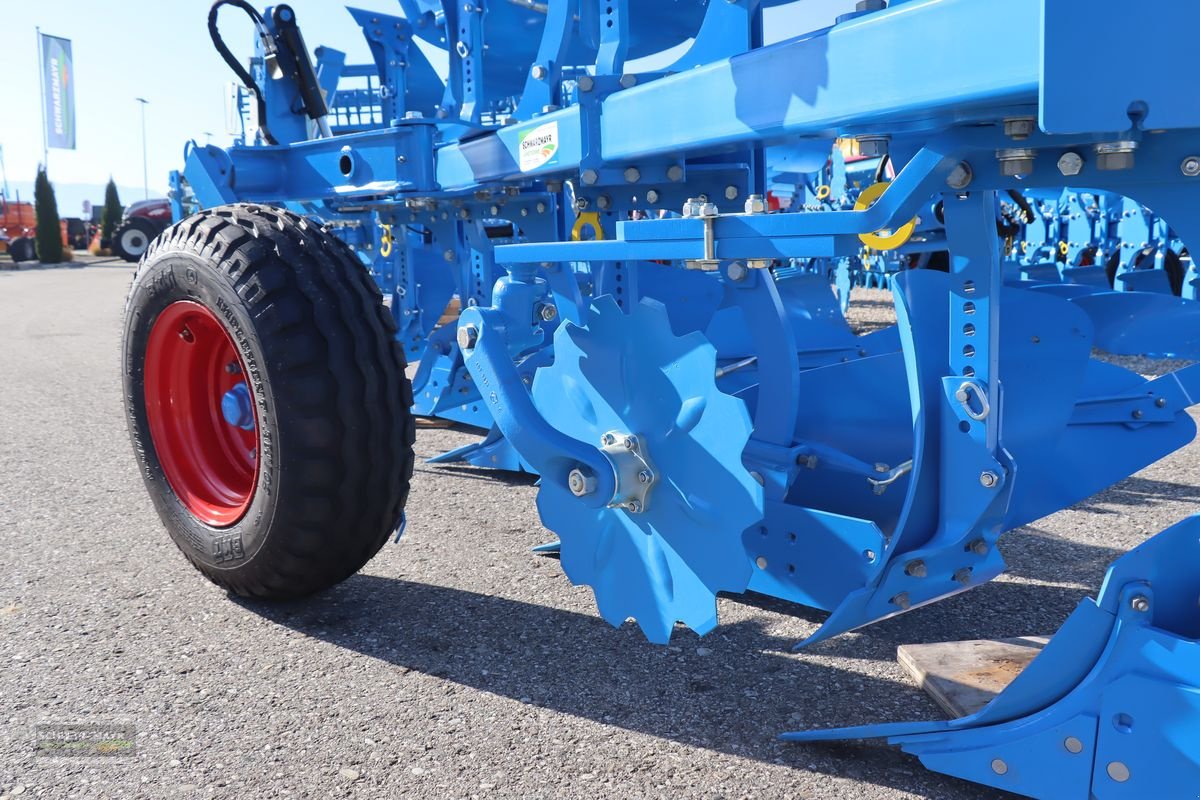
<point>160,50</point>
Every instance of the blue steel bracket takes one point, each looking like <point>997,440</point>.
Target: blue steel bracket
<point>498,335</point>
<point>1110,707</point>
<point>351,167</point>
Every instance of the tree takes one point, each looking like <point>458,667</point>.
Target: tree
<point>49,227</point>
<point>110,217</point>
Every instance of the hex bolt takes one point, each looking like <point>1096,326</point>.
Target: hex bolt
<point>675,173</point>
<point>709,210</point>
<point>756,204</point>
<point>586,83</point>
<point>979,547</point>
<point>1073,745</point>
<point>1190,166</point>
<point>634,506</point>
<point>961,176</point>
<point>988,479</point>
<point>632,174</point>
<point>737,271</point>
<point>547,312</point>
<point>628,81</point>
<point>916,569</point>
<point>539,72</point>
<point>645,476</point>
<point>902,601</point>
<point>1019,128</point>
<point>581,203</point>
<point>652,197</point>
<point>1140,603</point>
<point>468,335</point>
<point>1016,162</point>
<point>541,207</point>
<point>608,439</point>
<point>731,192</point>
<point>691,208</point>
<point>631,443</point>
<point>1070,164</point>
<point>580,483</point>
<point>1113,156</point>
<point>604,202</point>
<point>589,177</point>
<point>186,334</point>
<point>413,115</point>
<point>963,575</point>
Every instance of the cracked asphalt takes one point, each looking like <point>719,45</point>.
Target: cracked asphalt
<point>457,664</point>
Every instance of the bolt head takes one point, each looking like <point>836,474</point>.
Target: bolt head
<point>634,506</point>
<point>737,271</point>
<point>589,177</point>
<point>756,204</point>
<point>961,176</point>
<point>731,192</point>
<point>979,547</point>
<point>603,202</point>
<point>548,312</point>
<point>645,476</point>
<point>916,569</point>
<point>468,335</point>
<point>902,601</point>
<point>652,196</point>
<point>873,146</point>
<point>1114,156</point>
<point>1140,604</point>
<point>539,72</point>
<point>963,575</point>
<point>709,210</point>
<point>630,442</point>
<point>675,173</point>
<point>632,175</point>
<point>1070,164</point>
<point>1190,166</point>
<point>608,439</point>
<point>187,335</point>
<point>988,479</point>
<point>1016,168</point>
<point>586,83</point>
<point>628,81</point>
<point>1018,127</point>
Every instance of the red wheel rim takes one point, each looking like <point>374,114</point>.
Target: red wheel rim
<point>191,363</point>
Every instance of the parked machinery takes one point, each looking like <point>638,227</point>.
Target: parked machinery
<point>634,325</point>
<point>143,220</point>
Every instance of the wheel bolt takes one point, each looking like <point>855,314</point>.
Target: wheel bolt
<point>187,335</point>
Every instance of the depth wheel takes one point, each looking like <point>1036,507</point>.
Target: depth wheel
<point>267,401</point>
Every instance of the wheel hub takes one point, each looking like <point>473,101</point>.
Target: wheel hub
<point>201,415</point>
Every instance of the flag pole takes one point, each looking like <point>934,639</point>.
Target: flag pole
<point>42,84</point>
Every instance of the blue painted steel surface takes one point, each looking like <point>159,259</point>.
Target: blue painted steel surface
<point>577,249</point>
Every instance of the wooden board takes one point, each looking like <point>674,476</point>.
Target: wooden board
<point>963,677</point>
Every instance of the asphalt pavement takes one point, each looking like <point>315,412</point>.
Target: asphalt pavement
<point>457,664</point>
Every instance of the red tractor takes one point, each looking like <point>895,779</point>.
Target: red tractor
<point>143,221</point>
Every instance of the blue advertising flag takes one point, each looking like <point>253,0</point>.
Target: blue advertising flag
<point>58,82</point>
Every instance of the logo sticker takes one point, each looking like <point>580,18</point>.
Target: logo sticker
<point>538,147</point>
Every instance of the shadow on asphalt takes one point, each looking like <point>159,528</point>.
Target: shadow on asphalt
<point>734,696</point>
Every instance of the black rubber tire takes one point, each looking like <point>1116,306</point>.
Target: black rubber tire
<point>141,230</point>
<point>22,248</point>
<point>331,395</point>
